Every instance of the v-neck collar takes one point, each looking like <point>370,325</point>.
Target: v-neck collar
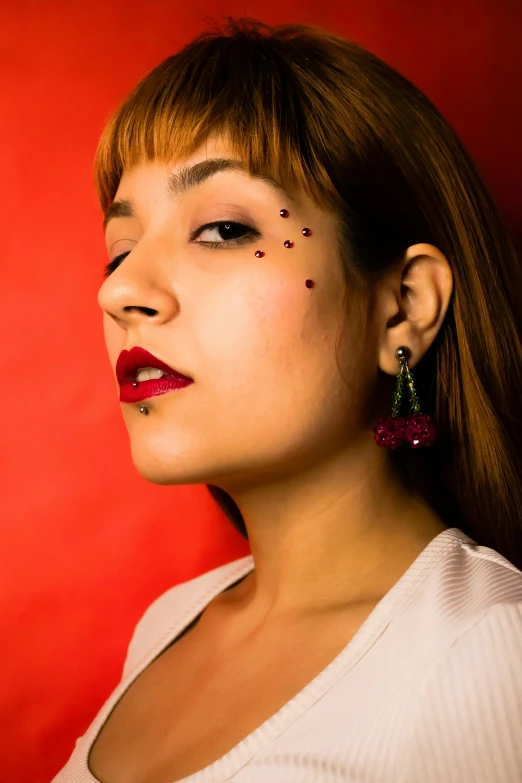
<point>367,634</point>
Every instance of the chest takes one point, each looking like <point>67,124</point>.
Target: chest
<point>189,707</point>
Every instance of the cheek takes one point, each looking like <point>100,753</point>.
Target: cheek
<point>273,321</point>
<point>283,304</point>
<point>262,334</point>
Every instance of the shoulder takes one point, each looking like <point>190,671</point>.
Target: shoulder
<point>469,562</point>
<point>184,600</point>
<point>467,714</point>
<point>466,583</point>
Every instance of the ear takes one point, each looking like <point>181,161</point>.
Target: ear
<point>413,300</point>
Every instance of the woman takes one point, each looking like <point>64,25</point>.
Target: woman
<point>297,240</point>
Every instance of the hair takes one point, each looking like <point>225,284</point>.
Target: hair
<point>311,108</point>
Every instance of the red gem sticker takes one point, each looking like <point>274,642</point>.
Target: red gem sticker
<point>284,212</point>
<point>259,254</point>
<point>306,232</point>
<point>289,243</point>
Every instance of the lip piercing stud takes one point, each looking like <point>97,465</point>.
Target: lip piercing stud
<point>309,284</point>
<point>284,212</point>
<point>143,409</point>
<point>289,243</point>
<point>135,384</point>
<point>259,254</point>
<point>306,232</point>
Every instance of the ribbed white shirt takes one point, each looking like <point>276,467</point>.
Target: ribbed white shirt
<point>429,689</point>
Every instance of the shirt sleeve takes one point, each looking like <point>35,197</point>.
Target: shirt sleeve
<point>467,720</point>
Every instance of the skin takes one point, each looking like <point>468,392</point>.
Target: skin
<point>274,417</point>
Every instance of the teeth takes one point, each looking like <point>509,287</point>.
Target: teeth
<point>149,373</point>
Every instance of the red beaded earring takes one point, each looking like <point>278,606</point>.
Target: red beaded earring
<point>418,429</point>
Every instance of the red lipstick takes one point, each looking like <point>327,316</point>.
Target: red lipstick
<point>131,362</point>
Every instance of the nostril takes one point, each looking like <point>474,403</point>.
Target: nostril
<point>146,310</point>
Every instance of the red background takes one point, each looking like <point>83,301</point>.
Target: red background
<point>86,544</point>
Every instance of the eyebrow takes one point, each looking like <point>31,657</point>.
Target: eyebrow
<point>179,183</point>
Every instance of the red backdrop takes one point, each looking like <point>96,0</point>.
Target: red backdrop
<point>86,544</point>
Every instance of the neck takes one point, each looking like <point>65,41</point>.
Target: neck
<point>341,533</point>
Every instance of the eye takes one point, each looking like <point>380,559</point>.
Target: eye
<point>231,233</point>
<point>114,263</point>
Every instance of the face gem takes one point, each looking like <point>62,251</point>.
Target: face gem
<point>259,253</point>
<point>309,284</point>
<point>284,212</point>
<point>306,232</point>
<point>289,243</point>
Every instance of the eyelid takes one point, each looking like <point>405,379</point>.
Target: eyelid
<point>216,223</point>
<point>250,235</point>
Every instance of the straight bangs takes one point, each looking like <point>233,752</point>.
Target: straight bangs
<point>250,93</point>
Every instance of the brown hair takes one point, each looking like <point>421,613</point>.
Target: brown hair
<point>309,107</point>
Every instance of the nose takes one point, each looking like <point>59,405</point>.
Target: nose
<point>130,296</point>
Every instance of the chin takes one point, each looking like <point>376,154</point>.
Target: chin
<point>173,466</point>
<point>159,469</point>
<point>164,474</point>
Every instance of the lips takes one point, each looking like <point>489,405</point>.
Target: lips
<point>127,366</point>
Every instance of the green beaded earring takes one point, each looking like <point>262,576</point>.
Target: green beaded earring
<point>418,429</point>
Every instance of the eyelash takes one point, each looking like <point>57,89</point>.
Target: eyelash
<point>251,233</point>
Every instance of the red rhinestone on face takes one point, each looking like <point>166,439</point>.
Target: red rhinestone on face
<point>259,254</point>
<point>284,212</point>
<point>289,243</point>
<point>306,232</point>
<point>309,284</point>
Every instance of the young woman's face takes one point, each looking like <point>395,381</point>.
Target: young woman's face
<point>268,395</point>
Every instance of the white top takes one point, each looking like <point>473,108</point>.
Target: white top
<point>429,689</point>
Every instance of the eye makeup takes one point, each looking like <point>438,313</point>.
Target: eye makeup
<point>244,235</point>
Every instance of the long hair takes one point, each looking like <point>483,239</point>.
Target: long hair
<point>312,108</point>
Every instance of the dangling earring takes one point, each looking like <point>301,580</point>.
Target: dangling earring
<point>418,429</point>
